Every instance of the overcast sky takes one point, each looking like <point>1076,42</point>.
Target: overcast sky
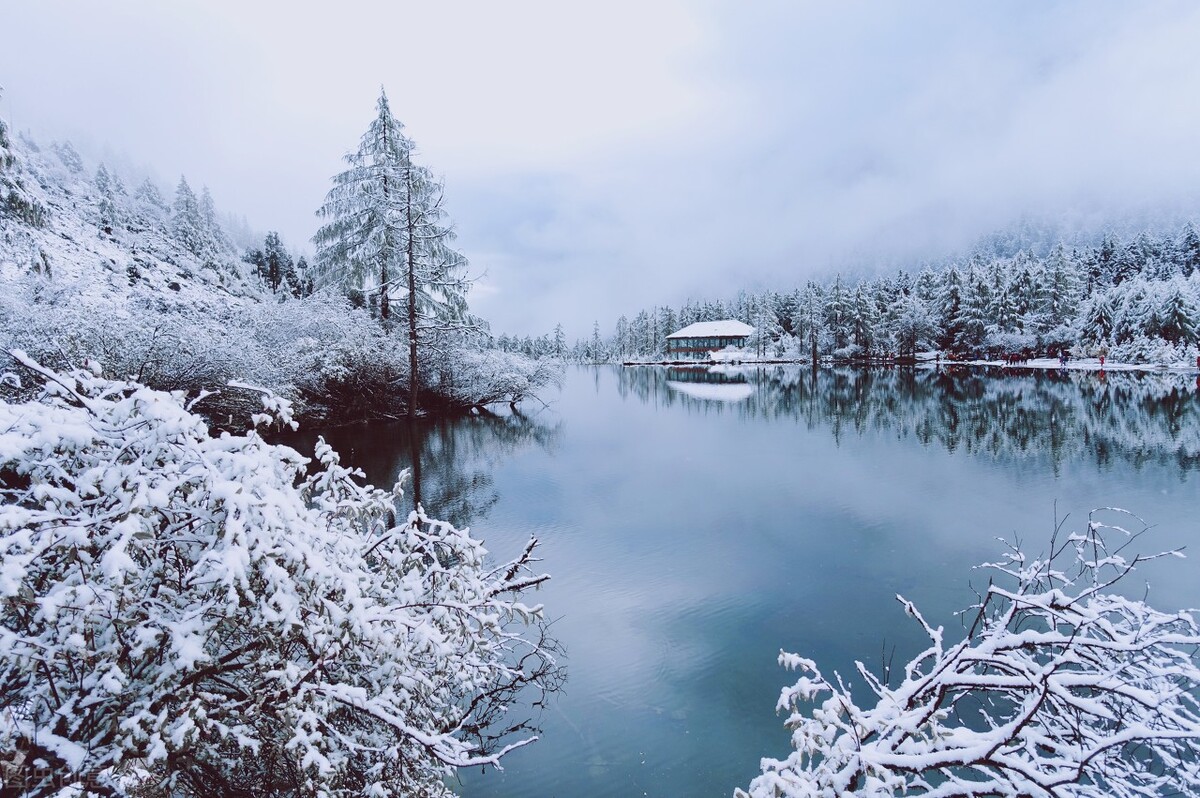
<point>602,157</point>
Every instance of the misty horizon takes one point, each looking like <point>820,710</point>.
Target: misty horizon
<point>594,167</point>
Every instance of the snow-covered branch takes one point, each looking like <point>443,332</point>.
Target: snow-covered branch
<point>195,615</point>
<point>1061,688</point>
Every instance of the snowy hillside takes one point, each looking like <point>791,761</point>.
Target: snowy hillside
<point>92,270</point>
<point>106,241</point>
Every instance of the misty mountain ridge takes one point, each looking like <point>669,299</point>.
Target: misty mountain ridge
<point>76,232</point>
<point>99,237</point>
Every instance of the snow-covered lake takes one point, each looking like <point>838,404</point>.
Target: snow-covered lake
<point>695,523</point>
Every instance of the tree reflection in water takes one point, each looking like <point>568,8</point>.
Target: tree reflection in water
<point>452,460</point>
<point>1137,417</point>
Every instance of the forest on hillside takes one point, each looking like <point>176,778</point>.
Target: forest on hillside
<point>101,266</point>
<point>1138,299</point>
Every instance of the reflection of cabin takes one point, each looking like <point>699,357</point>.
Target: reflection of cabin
<point>715,384</point>
<point>696,341</point>
<point>709,375</point>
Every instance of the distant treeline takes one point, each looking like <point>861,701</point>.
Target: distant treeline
<point>1139,300</point>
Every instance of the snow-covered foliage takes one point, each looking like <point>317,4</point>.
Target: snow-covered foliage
<point>475,377</point>
<point>387,234</point>
<point>386,231</point>
<point>327,357</point>
<point>155,291</point>
<point>202,615</point>
<point>1061,687</point>
<point>997,302</point>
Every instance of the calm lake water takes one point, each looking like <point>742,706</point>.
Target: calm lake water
<point>695,523</point>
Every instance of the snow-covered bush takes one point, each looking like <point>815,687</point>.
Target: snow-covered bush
<point>333,361</point>
<point>1156,351</point>
<point>848,352</point>
<point>473,377</point>
<point>196,615</point>
<point>1061,687</point>
<point>1009,343</point>
<point>1062,336</point>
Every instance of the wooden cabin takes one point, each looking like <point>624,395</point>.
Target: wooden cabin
<point>697,341</point>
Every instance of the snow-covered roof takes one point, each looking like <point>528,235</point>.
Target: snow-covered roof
<point>726,328</point>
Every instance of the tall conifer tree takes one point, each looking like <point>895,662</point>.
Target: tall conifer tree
<point>386,232</point>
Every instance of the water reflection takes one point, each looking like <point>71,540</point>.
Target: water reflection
<point>692,536</point>
<point>1131,416</point>
<point>713,384</point>
<point>452,462</point>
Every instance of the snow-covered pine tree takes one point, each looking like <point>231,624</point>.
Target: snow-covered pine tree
<point>620,339</point>
<point>148,203</point>
<point>561,341</point>
<point>640,335</point>
<point>1187,250</point>
<point>972,319</point>
<point>863,319</point>
<point>16,200</point>
<point>808,319</point>
<point>666,324</point>
<point>1097,321</point>
<point>947,307</point>
<point>837,314</point>
<point>1025,289</point>
<point>69,156</point>
<point>217,243</point>
<point>385,229</point>
<point>109,213</point>
<point>1001,308</point>
<point>1129,261</point>
<point>1177,315</point>
<point>102,180</point>
<point>596,348</point>
<point>1101,264</point>
<point>912,326</point>
<point>1055,316</point>
<point>187,222</point>
<point>277,263</point>
<point>304,281</point>
<point>1135,310</point>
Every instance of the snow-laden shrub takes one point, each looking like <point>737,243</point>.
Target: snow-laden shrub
<point>848,352</point>
<point>732,354</point>
<point>1154,351</point>
<point>1009,343</point>
<point>1060,688</point>
<point>198,611</point>
<point>1062,336</point>
<point>473,377</point>
<point>332,361</point>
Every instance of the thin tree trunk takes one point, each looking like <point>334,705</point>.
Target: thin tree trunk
<point>384,305</point>
<point>383,291</point>
<point>412,302</point>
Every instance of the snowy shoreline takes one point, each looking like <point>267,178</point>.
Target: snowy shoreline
<point>929,360</point>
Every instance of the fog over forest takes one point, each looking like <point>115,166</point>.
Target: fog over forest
<point>725,148</point>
